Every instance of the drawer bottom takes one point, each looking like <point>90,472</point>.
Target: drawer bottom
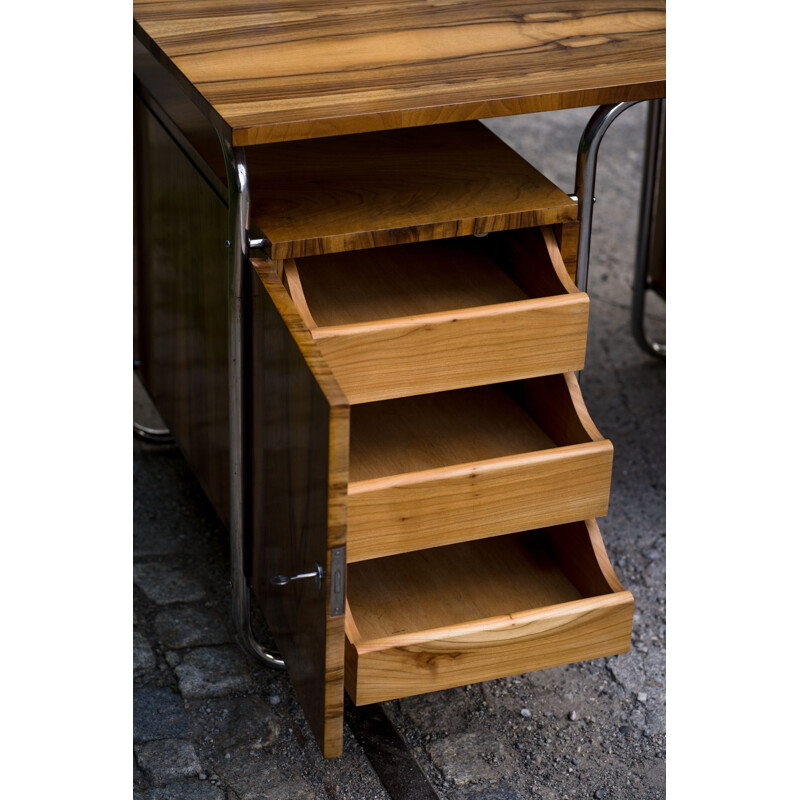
<point>448,616</point>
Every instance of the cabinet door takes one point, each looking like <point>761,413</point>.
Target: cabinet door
<point>301,423</point>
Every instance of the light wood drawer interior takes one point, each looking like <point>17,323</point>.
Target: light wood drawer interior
<point>432,316</point>
<point>447,616</point>
<point>437,469</point>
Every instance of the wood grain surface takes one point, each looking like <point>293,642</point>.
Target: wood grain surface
<point>182,301</point>
<point>300,462</point>
<point>276,71</point>
<point>438,352</point>
<point>406,280</point>
<point>387,321</point>
<point>438,430</point>
<point>366,190</point>
<point>392,187</point>
<point>567,234</point>
<point>167,100</point>
<point>438,618</point>
<point>452,467</point>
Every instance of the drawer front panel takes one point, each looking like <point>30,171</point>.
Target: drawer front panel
<point>584,629</point>
<point>434,619</point>
<point>443,506</point>
<point>438,352</point>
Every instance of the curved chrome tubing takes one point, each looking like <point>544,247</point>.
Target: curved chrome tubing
<point>152,435</point>
<point>145,432</point>
<point>641,283</point>
<point>238,379</point>
<point>585,174</point>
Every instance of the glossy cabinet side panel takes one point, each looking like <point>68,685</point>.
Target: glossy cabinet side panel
<point>181,271</point>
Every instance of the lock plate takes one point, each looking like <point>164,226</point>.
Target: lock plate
<point>338,563</point>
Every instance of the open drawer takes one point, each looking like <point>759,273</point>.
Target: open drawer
<point>432,316</point>
<point>339,489</point>
<point>434,619</point>
<point>438,469</point>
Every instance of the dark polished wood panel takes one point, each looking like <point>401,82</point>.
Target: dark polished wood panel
<point>165,96</point>
<point>300,429</point>
<point>276,71</point>
<point>181,226</point>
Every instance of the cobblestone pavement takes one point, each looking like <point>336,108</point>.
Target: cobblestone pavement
<point>209,724</point>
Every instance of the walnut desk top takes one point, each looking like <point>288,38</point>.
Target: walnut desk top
<point>277,71</point>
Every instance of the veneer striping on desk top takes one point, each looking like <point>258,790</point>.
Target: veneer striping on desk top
<point>367,190</point>
<point>274,72</point>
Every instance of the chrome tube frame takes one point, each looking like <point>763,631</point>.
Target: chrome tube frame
<point>152,435</point>
<point>145,432</point>
<point>585,174</point>
<point>238,381</point>
<point>641,283</point>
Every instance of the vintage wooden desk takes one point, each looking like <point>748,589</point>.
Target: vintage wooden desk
<point>361,315</point>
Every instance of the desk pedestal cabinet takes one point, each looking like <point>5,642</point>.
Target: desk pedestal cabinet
<point>418,439</point>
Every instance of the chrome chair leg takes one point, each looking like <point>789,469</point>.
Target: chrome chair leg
<point>148,434</point>
<point>585,174</point>
<point>152,435</point>
<point>653,161</point>
<point>239,376</point>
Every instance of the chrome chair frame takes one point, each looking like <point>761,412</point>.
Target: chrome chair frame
<point>653,154</point>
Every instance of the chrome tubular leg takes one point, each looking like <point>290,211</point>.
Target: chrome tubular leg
<point>148,434</point>
<point>238,381</point>
<point>585,173</point>
<point>641,283</point>
<point>152,435</point>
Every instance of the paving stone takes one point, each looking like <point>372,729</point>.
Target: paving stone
<point>183,791</point>
<point>628,671</point>
<point>257,776</point>
<point>152,539</point>
<point>637,717</point>
<point>139,781</point>
<point>428,717</point>
<point>190,627</point>
<point>461,758</point>
<point>655,670</point>
<point>165,583</point>
<point>350,776</point>
<point>493,793</point>
<point>158,714</point>
<point>167,760</point>
<point>657,776</point>
<point>546,793</point>
<point>247,722</point>
<point>143,657</point>
<point>212,671</point>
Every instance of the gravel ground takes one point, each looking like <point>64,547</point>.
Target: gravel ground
<point>212,725</point>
